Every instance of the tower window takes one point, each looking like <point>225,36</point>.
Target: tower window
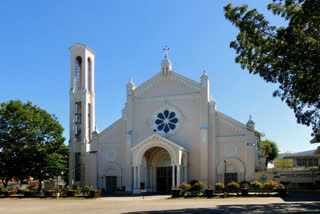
<point>77,121</point>
<point>89,75</point>
<point>78,73</point>
<point>77,166</point>
<point>89,120</point>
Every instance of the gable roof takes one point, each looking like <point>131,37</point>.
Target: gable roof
<point>179,78</point>
<point>157,137</point>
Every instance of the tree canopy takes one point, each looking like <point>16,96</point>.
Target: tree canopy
<point>271,150</point>
<point>31,142</point>
<point>287,55</point>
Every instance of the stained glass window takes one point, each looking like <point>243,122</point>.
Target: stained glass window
<point>166,121</point>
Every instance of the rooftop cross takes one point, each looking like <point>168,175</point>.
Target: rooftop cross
<point>166,50</point>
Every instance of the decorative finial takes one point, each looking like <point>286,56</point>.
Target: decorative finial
<point>250,117</point>
<point>131,80</point>
<point>166,50</point>
<point>204,72</point>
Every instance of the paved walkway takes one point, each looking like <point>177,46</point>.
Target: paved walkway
<point>159,204</point>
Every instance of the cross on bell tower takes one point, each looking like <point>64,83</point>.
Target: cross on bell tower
<point>166,66</point>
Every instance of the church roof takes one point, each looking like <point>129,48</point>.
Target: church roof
<point>174,75</point>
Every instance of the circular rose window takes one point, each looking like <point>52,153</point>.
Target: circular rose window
<point>166,122</point>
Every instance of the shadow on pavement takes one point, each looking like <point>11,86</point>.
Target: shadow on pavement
<point>262,208</point>
<point>302,196</point>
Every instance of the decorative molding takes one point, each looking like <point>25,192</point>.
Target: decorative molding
<point>154,81</point>
<point>183,96</point>
<point>231,149</point>
<point>111,128</point>
<point>228,124</point>
<point>111,155</point>
<point>222,139</point>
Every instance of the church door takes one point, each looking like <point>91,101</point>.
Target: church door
<point>111,183</point>
<point>231,177</point>
<point>164,179</point>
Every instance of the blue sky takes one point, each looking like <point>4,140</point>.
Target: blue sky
<point>128,37</point>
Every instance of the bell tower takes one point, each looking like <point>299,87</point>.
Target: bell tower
<point>82,110</point>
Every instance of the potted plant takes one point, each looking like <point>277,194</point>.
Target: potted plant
<point>69,192</point>
<point>282,190</point>
<point>244,190</point>
<point>5,192</point>
<point>26,192</point>
<point>233,186</point>
<point>78,190</point>
<point>209,191</point>
<point>197,187</point>
<point>184,187</point>
<point>48,193</point>
<point>219,187</point>
<point>270,185</point>
<point>86,190</point>
<point>95,193</point>
<point>256,185</point>
<point>176,192</point>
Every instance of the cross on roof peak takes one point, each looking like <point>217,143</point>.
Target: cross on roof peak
<point>166,51</point>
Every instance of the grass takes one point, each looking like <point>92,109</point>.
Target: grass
<point>46,198</point>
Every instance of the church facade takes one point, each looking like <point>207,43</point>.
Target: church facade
<point>170,132</point>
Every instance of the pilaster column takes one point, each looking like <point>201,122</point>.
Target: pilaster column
<point>138,185</point>
<point>134,177</point>
<point>151,178</point>
<point>178,175</point>
<point>185,174</point>
<point>146,182</point>
<point>173,177</point>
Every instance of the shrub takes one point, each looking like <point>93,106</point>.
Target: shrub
<point>219,186</point>
<point>4,190</point>
<point>23,190</point>
<point>56,190</point>
<point>198,186</point>
<point>67,188</point>
<point>256,185</point>
<point>233,185</point>
<point>78,190</point>
<point>87,189</point>
<point>193,182</point>
<point>184,186</point>
<point>270,185</point>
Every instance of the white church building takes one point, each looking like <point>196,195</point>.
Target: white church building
<point>170,132</point>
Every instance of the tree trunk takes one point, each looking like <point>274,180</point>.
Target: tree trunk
<point>5,184</point>
<point>40,185</point>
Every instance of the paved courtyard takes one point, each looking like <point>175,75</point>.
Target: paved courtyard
<point>303,203</point>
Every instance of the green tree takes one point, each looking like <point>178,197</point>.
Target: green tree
<point>271,150</point>
<point>288,55</point>
<point>31,142</point>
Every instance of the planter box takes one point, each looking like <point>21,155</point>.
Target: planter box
<point>209,193</point>
<point>176,193</point>
<point>244,191</point>
<point>95,194</point>
<point>48,193</point>
<point>71,193</point>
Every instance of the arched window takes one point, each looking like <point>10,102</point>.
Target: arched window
<point>78,73</point>
<point>89,75</point>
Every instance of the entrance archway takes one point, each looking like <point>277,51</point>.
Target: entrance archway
<point>158,165</point>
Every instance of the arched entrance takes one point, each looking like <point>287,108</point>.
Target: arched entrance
<point>231,169</point>
<point>158,165</point>
<point>158,160</point>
